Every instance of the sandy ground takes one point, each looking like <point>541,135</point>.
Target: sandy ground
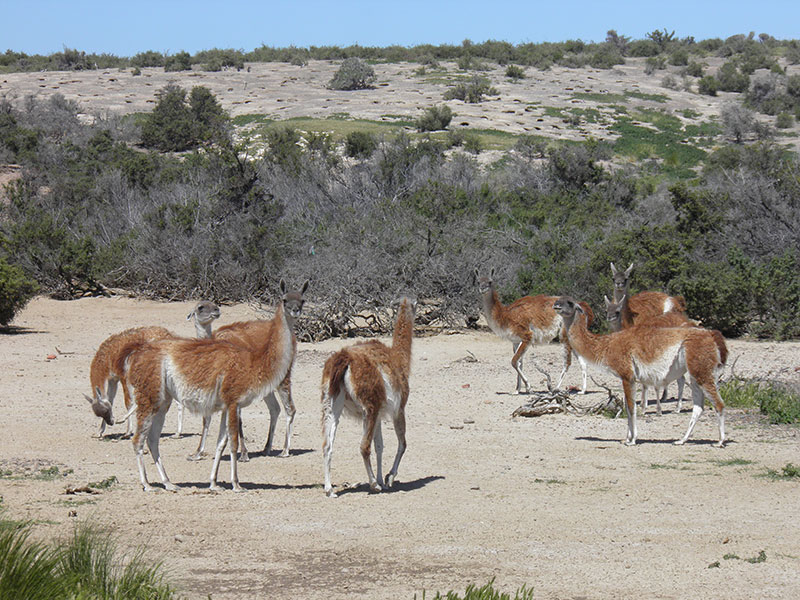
<point>554,502</point>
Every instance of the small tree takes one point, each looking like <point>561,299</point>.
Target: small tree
<point>435,118</point>
<point>181,61</point>
<point>737,121</point>
<point>360,144</point>
<point>15,291</point>
<point>354,74</point>
<point>707,86</point>
<point>515,72</point>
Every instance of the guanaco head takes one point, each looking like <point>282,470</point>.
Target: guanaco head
<point>204,313</point>
<point>405,303</point>
<point>568,307</point>
<point>620,280</point>
<point>101,407</point>
<point>614,313</point>
<point>292,299</point>
<point>484,283</point>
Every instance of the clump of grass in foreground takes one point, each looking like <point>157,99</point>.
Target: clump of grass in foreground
<point>487,592</point>
<point>88,565</point>
<point>789,472</point>
<point>778,403</point>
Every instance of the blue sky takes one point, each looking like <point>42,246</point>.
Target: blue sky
<point>125,28</point>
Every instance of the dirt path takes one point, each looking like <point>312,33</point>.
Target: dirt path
<point>554,502</point>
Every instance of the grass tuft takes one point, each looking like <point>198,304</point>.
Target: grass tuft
<point>487,592</point>
<point>88,565</point>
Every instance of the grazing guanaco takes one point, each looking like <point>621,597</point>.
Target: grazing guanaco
<point>654,357</point>
<point>526,321</point>
<point>104,377</point>
<point>370,381</point>
<point>208,376</point>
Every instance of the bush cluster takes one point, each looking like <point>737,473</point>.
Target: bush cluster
<point>472,91</point>
<point>92,211</point>
<point>353,74</point>
<point>435,118</point>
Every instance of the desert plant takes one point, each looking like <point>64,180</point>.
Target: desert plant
<point>15,291</point>
<point>737,121</point>
<point>485,592</point>
<point>694,69</point>
<point>89,565</point>
<point>471,92</point>
<point>353,74</point>
<point>679,58</point>
<point>707,86</point>
<point>515,72</point>
<point>784,120</point>
<point>731,79</point>
<point>654,63</point>
<point>434,118</point>
<point>182,61</point>
<point>360,144</point>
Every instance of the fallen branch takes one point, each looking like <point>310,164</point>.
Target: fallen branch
<point>557,401</point>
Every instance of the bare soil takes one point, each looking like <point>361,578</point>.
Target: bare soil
<point>555,502</point>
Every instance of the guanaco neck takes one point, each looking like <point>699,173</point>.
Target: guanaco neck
<point>403,334</point>
<point>592,347</point>
<point>492,307</point>
<point>203,330</point>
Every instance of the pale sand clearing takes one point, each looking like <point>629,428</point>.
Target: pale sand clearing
<point>555,502</point>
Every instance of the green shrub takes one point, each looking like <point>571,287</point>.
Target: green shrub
<point>182,61</point>
<point>471,92</point>
<point>472,143</point>
<point>435,118</point>
<point>151,58</point>
<point>654,63</point>
<point>360,144</point>
<point>15,291</point>
<point>353,74</point>
<point>694,69</point>
<point>707,86</point>
<point>784,120</point>
<point>176,124</point>
<point>679,58</point>
<point>515,72</point>
<point>730,79</point>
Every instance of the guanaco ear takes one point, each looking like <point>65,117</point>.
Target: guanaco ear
<point>91,401</point>
<point>579,308</point>
<point>282,286</point>
<point>491,274</point>
<point>613,270</point>
<point>608,302</point>
<point>628,271</point>
<point>189,316</point>
<point>305,287</point>
<point>621,300</point>
<point>475,276</point>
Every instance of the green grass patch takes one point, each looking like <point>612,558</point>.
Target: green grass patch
<point>43,474</point>
<point>781,405</point>
<point>550,481</point>
<point>787,473</point>
<point>88,565</point>
<point>105,484</point>
<point>619,98</point>
<point>733,462</point>
<point>661,98</point>
<point>486,592</point>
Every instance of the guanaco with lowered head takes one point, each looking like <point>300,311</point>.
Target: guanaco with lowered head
<point>208,376</point>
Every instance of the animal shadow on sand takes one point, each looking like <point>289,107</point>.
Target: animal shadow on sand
<point>262,454</point>
<point>642,441</point>
<point>399,486</point>
<point>248,485</point>
<point>15,330</point>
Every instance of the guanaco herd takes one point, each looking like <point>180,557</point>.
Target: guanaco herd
<point>653,343</point>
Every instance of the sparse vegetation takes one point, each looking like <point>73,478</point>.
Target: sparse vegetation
<point>485,592</point>
<point>88,565</point>
<point>472,91</point>
<point>353,74</point>
<point>435,118</point>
